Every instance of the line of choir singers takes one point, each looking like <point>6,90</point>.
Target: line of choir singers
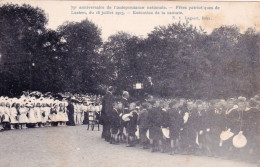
<point>215,128</point>
<point>26,111</point>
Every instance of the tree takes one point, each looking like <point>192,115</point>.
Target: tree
<point>171,52</point>
<point>123,55</point>
<point>83,42</point>
<point>20,28</point>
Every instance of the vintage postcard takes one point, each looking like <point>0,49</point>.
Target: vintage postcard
<point>129,83</point>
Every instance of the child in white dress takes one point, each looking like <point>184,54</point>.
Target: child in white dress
<point>31,116</point>
<point>22,118</point>
<point>13,116</point>
<point>43,114</point>
<point>38,116</point>
<point>2,105</point>
<point>6,115</point>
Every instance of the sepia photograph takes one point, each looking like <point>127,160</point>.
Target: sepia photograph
<point>129,83</point>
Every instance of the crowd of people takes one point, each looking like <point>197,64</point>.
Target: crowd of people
<point>212,127</point>
<point>219,127</point>
<point>24,112</point>
<point>41,110</point>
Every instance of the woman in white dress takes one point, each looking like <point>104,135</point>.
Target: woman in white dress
<point>53,113</point>
<point>44,116</point>
<point>62,115</point>
<point>13,116</point>
<point>47,110</point>
<point>59,116</point>
<point>2,105</point>
<point>22,118</point>
<point>32,116</point>
<point>6,115</point>
<point>38,116</point>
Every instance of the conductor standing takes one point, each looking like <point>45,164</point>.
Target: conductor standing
<point>107,107</point>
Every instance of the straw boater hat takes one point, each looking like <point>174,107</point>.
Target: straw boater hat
<point>239,141</point>
<point>166,133</point>
<point>126,117</point>
<point>241,98</point>
<point>225,135</point>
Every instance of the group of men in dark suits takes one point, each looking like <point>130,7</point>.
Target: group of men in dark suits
<point>183,126</point>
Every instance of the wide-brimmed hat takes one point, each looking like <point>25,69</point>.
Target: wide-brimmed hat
<point>239,141</point>
<point>241,99</point>
<point>225,135</point>
<point>166,133</point>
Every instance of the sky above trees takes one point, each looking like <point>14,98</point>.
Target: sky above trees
<point>243,15</point>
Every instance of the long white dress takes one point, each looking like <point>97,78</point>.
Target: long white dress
<point>53,116</point>
<point>38,115</point>
<point>60,116</point>
<point>1,113</point>
<point>47,111</point>
<point>43,115</point>
<point>22,118</point>
<point>32,116</point>
<point>13,116</point>
<point>6,115</point>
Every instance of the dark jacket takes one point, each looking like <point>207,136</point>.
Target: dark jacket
<point>142,120</point>
<point>155,117</point>
<point>155,123</point>
<point>132,126</point>
<point>70,108</point>
<point>107,107</point>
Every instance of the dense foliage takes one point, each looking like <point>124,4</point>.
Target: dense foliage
<point>182,61</point>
